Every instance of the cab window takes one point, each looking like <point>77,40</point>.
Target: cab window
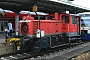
<point>74,20</point>
<point>65,18</point>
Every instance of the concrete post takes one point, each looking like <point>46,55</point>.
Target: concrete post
<point>16,23</point>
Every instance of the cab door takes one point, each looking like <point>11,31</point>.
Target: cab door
<point>3,24</point>
<point>65,19</point>
<point>74,26</point>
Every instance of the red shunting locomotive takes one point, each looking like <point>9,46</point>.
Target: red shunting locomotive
<point>49,31</point>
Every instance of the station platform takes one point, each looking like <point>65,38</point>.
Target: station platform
<point>4,48</point>
<point>2,37</point>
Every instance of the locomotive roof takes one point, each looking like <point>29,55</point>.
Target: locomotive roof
<point>47,6</point>
<point>33,13</point>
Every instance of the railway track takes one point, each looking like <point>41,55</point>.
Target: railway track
<point>51,53</point>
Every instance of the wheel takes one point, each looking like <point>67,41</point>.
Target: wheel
<point>36,49</point>
<point>65,38</point>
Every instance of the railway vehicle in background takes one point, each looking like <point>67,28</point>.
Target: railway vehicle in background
<point>48,31</point>
<point>5,16</point>
<point>85,25</point>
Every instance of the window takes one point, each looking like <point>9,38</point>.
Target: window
<point>65,18</point>
<point>85,22</point>
<point>74,20</point>
<point>50,17</point>
<point>85,15</point>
